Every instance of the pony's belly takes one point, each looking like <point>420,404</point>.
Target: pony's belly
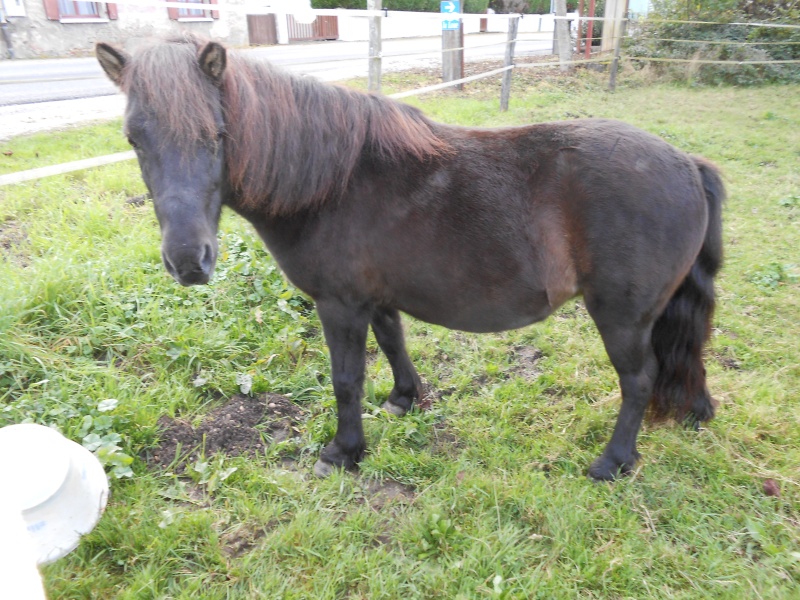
<point>467,314</point>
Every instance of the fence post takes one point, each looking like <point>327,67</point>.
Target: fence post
<point>612,79</point>
<point>562,35</point>
<point>374,79</point>
<point>452,60</point>
<point>505,90</point>
<point>590,31</point>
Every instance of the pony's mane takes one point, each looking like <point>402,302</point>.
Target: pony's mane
<point>291,142</point>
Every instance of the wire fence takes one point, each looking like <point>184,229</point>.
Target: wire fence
<point>565,62</point>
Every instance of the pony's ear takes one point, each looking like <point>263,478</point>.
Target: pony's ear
<point>213,59</point>
<point>112,60</point>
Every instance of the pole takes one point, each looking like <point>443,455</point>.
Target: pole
<point>4,31</point>
<point>562,35</point>
<point>374,79</point>
<point>505,90</point>
<point>620,28</point>
<point>453,60</point>
<point>590,31</point>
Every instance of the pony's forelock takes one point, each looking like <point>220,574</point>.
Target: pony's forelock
<point>166,77</point>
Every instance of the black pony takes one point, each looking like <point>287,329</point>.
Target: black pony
<point>372,209</point>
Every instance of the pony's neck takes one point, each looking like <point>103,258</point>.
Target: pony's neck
<point>295,143</point>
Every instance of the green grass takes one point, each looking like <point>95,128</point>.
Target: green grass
<point>494,501</point>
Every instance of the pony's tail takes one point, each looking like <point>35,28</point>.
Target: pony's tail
<point>681,332</point>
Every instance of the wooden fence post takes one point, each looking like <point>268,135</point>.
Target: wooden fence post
<point>620,29</point>
<point>375,47</point>
<point>505,90</point>
<point>562,36</point>
<point>453,60</point>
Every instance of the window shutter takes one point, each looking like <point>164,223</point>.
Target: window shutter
<point>214,13</point>
<point>111,12</point>
<point>51,10</point>
<point>173,12</point>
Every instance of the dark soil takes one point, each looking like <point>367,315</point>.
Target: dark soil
<point>526,359</point>
<point>241,540</point>
<point>243,426</point>
<point>12,239</point>
<point>380,494</point>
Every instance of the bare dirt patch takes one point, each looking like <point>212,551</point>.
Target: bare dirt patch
<point>12,240</point>
<point>243,426</point>
<point>527,359</point>
<point>381,493</point>
<point>241,540</point>
<point>445,442</point>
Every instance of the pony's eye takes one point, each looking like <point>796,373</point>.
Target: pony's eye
<point>132,143</point>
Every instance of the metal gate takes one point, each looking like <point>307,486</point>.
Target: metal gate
<point>323,28</point>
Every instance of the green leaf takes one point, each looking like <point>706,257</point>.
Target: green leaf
<point>92,442</point>
<point>107,405</point>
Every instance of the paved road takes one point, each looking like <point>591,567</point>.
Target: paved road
<point>37,95</point>
<point>30,81</point>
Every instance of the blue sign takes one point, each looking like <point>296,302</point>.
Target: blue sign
<point>450,8</point>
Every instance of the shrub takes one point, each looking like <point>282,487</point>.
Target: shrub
<point>537,7</point>
<point>350,4</point>
<point>657,39</point>
<point>469,6</point>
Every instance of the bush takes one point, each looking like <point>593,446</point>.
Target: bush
<point>655,39</point>
<point>536,7</point>
<point>469,6</point>
<point>476,6</point>
<point>350,4</point>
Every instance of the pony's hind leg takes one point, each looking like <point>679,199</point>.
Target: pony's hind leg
<point>346,334</point>
<point>629,348</point>
<point>388,330</point>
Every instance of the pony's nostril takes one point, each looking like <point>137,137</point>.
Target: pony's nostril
<point>207,262</point>
<point>167,264</point>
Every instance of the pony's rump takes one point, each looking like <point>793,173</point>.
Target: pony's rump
<point>681,332</point>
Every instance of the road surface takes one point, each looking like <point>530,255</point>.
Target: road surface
<point>38,95</point>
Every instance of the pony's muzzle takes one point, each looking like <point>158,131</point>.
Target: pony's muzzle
<point>190,266</point>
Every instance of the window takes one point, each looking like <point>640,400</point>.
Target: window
<point>192,13</point>
<point>77,11</point>
<point>69,8</point>
<point>14,8</point>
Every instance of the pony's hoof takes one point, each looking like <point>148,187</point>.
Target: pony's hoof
<point>607,469</point>
<point>324,470</point>
<point>393,409</point>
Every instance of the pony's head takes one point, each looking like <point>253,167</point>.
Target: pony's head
<point>174,121</point>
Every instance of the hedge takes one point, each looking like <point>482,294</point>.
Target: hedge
<point>470,6</point>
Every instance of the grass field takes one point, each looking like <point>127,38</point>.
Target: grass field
<point>481,495</point>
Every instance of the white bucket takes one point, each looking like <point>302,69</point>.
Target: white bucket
<point>59,486</point>
<point>19,577</point>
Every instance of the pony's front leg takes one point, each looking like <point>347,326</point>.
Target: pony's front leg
<point>388,330</point>
<point>346,334</point>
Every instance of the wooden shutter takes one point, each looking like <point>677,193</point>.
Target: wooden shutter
<point>214,13</point>
<point>111,12</point>
<point>51,10</point>
<point>173,13</point>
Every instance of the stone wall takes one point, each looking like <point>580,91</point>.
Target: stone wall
<point>35,36</point>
